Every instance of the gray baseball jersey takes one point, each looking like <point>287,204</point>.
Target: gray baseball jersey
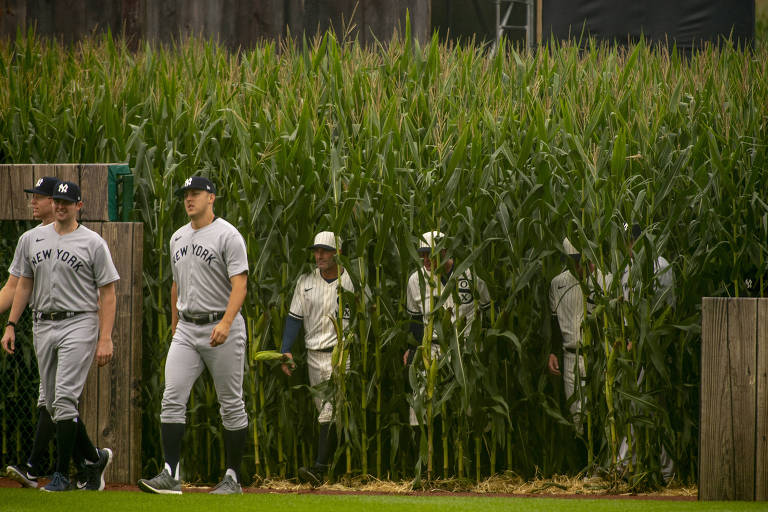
<point>418,303</point>
<point>203,261</point>
<point>314,302</point>
<point>18,255</point>
<point>67,269</point>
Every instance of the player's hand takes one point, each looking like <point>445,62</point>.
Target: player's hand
<point>104,349</point>
<point>288,367</point>
<point>220,333</point>
<point>553,366</point>
<point>9,340</point>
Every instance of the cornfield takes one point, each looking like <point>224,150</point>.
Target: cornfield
<point>507,153</point>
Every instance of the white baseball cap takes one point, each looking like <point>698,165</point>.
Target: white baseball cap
<point>325,240</point>
<point>568,247</point>
<point>429,241</point>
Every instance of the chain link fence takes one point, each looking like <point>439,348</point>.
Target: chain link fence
<point>19,378</point>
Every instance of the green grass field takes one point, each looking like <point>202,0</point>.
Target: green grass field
<point>12,500</point>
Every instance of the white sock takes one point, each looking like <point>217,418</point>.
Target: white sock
<point>231,472</point>
<point>174,474</point>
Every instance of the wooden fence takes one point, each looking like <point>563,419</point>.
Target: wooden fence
<point>734,400</point>
<point>233,22</point>
<point>110,404</point>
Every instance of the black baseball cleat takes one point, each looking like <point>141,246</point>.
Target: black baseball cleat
<point>95,471</point>
<point>313,476</point>
<point>22,475</point>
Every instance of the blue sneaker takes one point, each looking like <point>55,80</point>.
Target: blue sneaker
<point>58,483</point>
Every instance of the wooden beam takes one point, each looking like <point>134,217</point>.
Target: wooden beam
<point>761,437</point>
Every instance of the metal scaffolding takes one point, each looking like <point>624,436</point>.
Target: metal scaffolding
<point>504,12</point>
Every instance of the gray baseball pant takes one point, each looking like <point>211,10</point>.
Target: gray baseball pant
<point>65,350</point>
<point>189,353</point>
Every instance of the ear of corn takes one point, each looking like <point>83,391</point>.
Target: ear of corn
<point>506,153</point>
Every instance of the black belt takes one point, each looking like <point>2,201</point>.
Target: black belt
<point>325,350</point>
<point>56,315</point>
<point>570,350</point>
<point>206,318</point>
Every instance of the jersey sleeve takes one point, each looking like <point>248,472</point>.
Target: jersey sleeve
<point>237,255</point>
<point>413,296</point>
<point>297,304</point>
<point>19,258</point>
<point>483,296</point>
<point>174,273</point>
<point>552,297</point>
<point>104,271</point>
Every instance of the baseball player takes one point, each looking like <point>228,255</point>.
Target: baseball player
<point>315,302</point>
<point>566,301</point>
<point>67,271</point>
<point>210,271</point>
<point>664,289</point>
<point>42,209</point>
<point>423,293</point>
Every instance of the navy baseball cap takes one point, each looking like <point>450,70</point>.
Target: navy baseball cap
<point>197,183</point>
<point>44,186</point>
<point>67,190</point>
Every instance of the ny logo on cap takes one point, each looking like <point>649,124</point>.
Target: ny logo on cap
<point>39,182</point>
<point>188,182</point>
<point>63,188</point>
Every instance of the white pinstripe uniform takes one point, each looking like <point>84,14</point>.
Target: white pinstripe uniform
<point>315,301</point>
<point>468,286</point>
<point>664,287</point>
<point>423,290</point>
<point>566,300</point>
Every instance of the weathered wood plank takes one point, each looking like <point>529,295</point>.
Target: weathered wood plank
<point>21,177</point>
<point>66,172</point>
<point>13,14</point>
<point>69,20</point>
<point>94,185</point>
<point>110,404</point>
<point>742,345</point>
<point>114,378</point>
<point>89,410</point>
<point>761,450</point>
<point>716,436</point>
<point>7,194</point>
<point>137,282</point>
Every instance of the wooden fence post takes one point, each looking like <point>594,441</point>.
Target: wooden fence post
<point>734,400</point>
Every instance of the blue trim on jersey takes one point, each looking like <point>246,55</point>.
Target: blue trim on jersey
<point>290,333</point>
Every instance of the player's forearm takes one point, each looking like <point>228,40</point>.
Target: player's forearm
<point>236,297</point>
<point>20,298</point>
<point>6,294</point>
<point>174,310</point>
<point>107,308</point>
